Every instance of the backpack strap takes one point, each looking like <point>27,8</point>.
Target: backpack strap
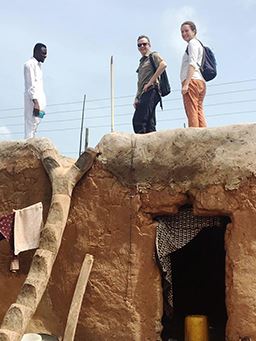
<point>203,58</point>
<point>152,62</point>
<point>200,42</point>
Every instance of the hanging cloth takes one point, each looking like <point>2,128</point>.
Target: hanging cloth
<point>6,228</point>
<point>27,227</point>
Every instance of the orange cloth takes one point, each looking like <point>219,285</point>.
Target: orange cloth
<point>193,103</point>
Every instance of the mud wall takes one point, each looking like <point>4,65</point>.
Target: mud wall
<point>111,217</point>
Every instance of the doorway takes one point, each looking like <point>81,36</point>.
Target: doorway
<point>198,283</point>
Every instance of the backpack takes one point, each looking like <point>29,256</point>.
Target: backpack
<point>164,85</point>
<point>208,68</point>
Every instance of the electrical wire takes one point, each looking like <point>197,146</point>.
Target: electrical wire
<point>128,96</point>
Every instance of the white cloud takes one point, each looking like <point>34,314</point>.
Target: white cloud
<point>5,133</point>
<point>171,21</point>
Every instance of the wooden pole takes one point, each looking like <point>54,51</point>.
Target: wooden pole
<point>82,127</point>
<point>112,92</point>
<point>77,299</point>
<point>86,138</point>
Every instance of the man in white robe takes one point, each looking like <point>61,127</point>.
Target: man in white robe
<point>34,97</point>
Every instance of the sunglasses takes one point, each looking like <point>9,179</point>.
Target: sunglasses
<point>142,44</point>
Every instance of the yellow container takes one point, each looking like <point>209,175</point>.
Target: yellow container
<point>196,328</point>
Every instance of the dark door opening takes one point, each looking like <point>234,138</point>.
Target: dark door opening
<point>198,284</point>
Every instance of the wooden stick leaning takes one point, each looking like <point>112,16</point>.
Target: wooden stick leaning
<point>63,177</point>
<point>77,299</point>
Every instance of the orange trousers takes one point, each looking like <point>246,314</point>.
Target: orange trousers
<point>193,103</point>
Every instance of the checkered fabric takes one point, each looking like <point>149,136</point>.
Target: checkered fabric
<point>173,233</point>
<point>6,226</point>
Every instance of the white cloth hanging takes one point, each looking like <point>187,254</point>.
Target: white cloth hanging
<point>27,227</point>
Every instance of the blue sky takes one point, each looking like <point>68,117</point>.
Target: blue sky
<point>82,35</point>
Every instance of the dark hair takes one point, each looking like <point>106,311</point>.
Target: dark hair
<point>38,47</point>
<point>143,36</point>
<point>191,24</point>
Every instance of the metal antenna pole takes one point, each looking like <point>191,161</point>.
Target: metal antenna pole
<point>112,92</point>
<point>82,127</point>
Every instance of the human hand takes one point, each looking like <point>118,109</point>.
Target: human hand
<point>36,104</point>
<point>184,89</point>
<point>136,102</point>
<point>146,87</point>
